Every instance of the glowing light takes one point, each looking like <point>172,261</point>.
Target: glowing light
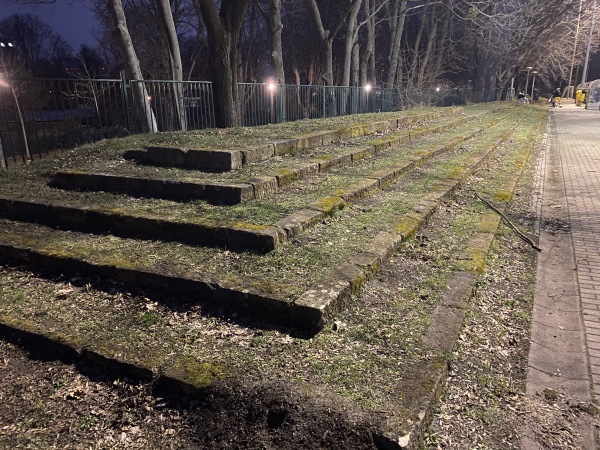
<point>367,87</point>
<point>271,86</point>
<point>437,89</point>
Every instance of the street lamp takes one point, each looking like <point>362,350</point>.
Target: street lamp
<point>368,88</point>
<point>271,88</point>
<point>533,83</point>
<point>527,83</point>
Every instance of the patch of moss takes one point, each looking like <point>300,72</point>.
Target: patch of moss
<point>202,374</point>
<point>329,205</point>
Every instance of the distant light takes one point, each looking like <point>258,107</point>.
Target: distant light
<point>6,44</point>
<point>271,86</point>
<point>367,87</point>
<point>437,89</point>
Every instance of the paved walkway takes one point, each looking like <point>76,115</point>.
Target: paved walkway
<point>565,335</point>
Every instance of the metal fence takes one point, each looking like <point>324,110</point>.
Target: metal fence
<point>40,115</point>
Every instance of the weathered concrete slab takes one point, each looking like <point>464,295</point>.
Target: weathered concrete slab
<point>215,193</point>
<point>297,222</point>
<point>214,160</point>
<point>120,223</point>
<point>259,153</point>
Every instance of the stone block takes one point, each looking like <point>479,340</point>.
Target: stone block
<point>383,245</point>
<point>306,170</point>
<point>227,193</point>
<point>352,274</point>
<point>370,263</point>
<point>345,158</point>
<point>144,187</point>
<point>348,133</point>
<point>136,155</point>
<point>287,176</point>
<point>326,162</point>
<point>329,205</point>
<point>363,152</point>
<point>24,210</point>
<point>311,140</point>
<point>193,233</point>
<point>358,190</point>
<point>259,153</point>
<point>69,215</point>
<point>214,160</point>
<point>182,190</point>
<point>167,156</point>
<point>385,176</point>
<point>331,137</point>
<point>297,222</point>
<point>378,127</point>
<point>320,303</point>
<point>264,187</point>
<point>285,146</point>
<point>259,304</point>
<point>249,237</point>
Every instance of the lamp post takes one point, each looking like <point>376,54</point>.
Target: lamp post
<point>271,87</point>
<point>533,84</point>
<point>367,90</point>
<point>589,45</point>
<point>3,83</point>
<point>527,82</point>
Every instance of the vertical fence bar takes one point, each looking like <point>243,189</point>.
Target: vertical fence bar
<point>124,100</point>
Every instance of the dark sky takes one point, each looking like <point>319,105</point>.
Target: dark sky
<point>70,19</point>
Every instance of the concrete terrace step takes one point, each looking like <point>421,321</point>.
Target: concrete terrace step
<point>229,193</point>
<point>222,160</point>
<point>206,232</point>
<point>315,306</point>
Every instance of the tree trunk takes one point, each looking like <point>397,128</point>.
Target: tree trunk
<point>276,27</point>
<point>412,75</point>
<point>367,65</point>
<point>327,37</point>
<point>351,38</point>
<point>397,29</point>
<point>132,64</point>
<point>223,29</point>
<point>431,42</point>
<point>166,18</point>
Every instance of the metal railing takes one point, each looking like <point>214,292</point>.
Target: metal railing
<point>40,115</point>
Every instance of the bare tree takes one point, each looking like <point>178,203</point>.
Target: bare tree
<point>166,16</point>
<point>327,37</point>
<point>223,27</point>
<point>132,65</point>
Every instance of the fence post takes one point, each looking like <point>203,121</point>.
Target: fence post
<point>281,102</point>
<point>382,98</point>
<point>324,100</point>
<point>125,101</point>
<point>2,158</point>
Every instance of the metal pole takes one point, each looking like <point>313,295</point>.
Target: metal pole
<point>2,157</point>
<point>125,102</point>
<point>587,53</point>
<point>575,48</point>
<point>533,84</point>
<point>281,102</point>
<point>527,83</point>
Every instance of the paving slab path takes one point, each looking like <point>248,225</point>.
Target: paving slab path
<point>565,337</point>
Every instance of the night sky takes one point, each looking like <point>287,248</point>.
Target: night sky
<point>70,19</point>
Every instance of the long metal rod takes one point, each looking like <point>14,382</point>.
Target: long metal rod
<point>575,47</point>
<point>587,53</point>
